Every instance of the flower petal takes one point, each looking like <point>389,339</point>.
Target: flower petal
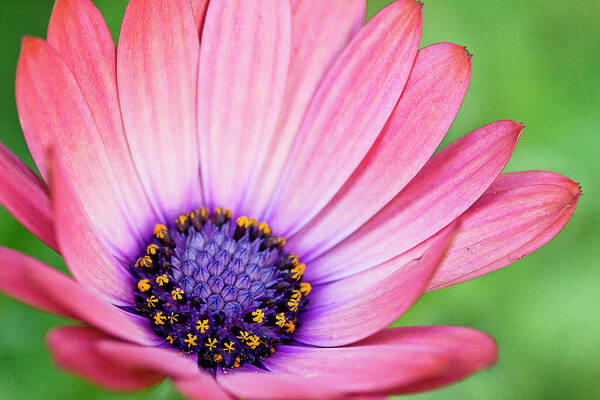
<point>79,33</point>
<point>243,68</point>
<point>25,196</point>
<point>86,255</point>
<point>200,7</point>
<point>41,286</point>
<point>320,31</point>
<point>518,214</point>
<point>346,114</point>
<point>353,308</point>
<point>433,94</point>
<point>157,66</point>
<point>447,185</point>
<point>55,114</point>
<point>75,349</point>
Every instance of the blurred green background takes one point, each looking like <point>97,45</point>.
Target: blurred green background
<point>535,61</point>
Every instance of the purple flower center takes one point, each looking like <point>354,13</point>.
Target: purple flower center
<point>223,289</point>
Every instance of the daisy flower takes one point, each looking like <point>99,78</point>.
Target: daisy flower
<point>246,195</point>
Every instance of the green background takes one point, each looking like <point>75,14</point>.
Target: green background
<point>535,61</point>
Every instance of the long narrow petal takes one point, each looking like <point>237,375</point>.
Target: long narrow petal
<point>41,286</point>
<point>346,114</point>
<point>25,196</point>
<point>84,253</point>
<point>320,31</point>
<point>518,214</point>
<point>200,7</point>
<point>243,68</point>
<point>432,96</point>
<point>447,185</point>
<point>79,33</point>
<point>55,114</point>
<point>354,308</point>
<point>157,66</point>
<point>75,349</point>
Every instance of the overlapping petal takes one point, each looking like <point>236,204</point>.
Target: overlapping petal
<point>243,68</point>
<point>25,196</point>
<point>338,129</point>
<point>448,184</point>
<point>432,96</point>
<point>518,214</point>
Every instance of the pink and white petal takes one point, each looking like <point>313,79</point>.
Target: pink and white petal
<point>74,348</point>
<point>55,114</point>
<point>433,94</point>
<point>464,350</point>
<point>251,382</point>
<point>79,33</point>
<point>353,308</point>
<point>157,66</point>
<point>84,252</point>
<point>320,31</point>
<point>243,68</point>
<point>375,368</point>
<point>200,7</point>
<point>518,214</point>
<point>338,129</point>
<point>41,286</point>
<point>202,387</point>
<point>448,185</point>
<point>25,196</point>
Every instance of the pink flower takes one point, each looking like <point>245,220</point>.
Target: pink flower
<point>296,115</point>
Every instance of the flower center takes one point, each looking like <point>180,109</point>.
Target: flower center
<point>223,289</point>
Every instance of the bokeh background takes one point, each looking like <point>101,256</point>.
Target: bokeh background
<point>535,61</point>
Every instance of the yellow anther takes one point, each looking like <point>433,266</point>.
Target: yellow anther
<point>159,318</point>
<point>293,259</point>
<point>290,327</point>
<point>152,249</point>
<point>224,211</point>
<point>243,336</point>
<point>144,262</point>
<point>177,294</point>
<point>144,285</point>
<point>202,325</point>
<point>296,295</point>
<point>170,339</point>
<point>162,279</point>
<point>272,350</point>
<point>293,305</point>
<point>258,316</point>
<point>160,231</point>
<point>236,362</point>
<point>172,318</point>
<point>280,242</point>
<point>191,340</point>
<point>204,212</point>
<point>242,222</point>
<point>229,347</point>
<point>264,228</point>
<point>305,288</point>
<point>217,357</point>
<point>297,271</point>
<point>280,319</point>
<point>253,342</point>
<point>211,343</point>
<point>152,300</point>
<point>181,220</point>
<point>252,222</point>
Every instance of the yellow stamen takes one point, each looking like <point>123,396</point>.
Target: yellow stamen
<point>290,327</point>
<point>297,271</point>
<point>152,250</point>
<point>296,295</point>
<point>305,288</point>
<point>242,222</point>
<point>280,319</point>
<point>202,325</point>
<point>211,343</point>
<point>263,227</point>
<point>258,316</point>
<point>172,318</point>
<point>170,339</point>
<point>191,340</point>
<point>229,347</point>
<point>162,279</point>
<point>144,285</point>
<point>152,300</point>
<point>293,305</point>
<point>159,318</point>
<point>177,294</point>
<point>160,231</point>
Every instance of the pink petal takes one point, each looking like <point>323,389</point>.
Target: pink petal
<point>464,350</point>
<point>25,196</point>
<point>432,96</point>
<point>84,253</point>
<point>54,113</point>
<point>41,286</point>
<point>353,308</point>
<point>447,185</point>
<point>243,68</point>
<point>518,214</point>
<point>200,7</point>
<point>201,388</point>
<point>75,349</point>
<point>79,33</point>
<point>346,114</point>
<point>320,31</point>
<point>157,66</point>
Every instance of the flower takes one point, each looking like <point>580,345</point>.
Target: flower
<point>245,194</point>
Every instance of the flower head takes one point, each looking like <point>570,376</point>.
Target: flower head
<point>246,195</point>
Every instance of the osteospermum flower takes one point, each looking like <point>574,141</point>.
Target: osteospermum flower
<point>245,194</point>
